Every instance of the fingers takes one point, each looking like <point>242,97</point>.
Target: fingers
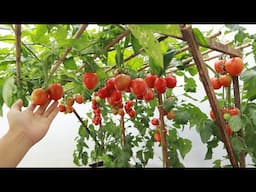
<point>17,105</point>
<point>52,112</point>
<point>51,108</point>
<point>42,108</point>
<point>31,107</point>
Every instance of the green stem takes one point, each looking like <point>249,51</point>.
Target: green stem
<point>228,96</point>
<point>31,52</point>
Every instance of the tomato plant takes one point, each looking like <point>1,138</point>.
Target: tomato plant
<point>137,86</point>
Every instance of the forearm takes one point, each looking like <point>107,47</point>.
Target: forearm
<point>13,147</point>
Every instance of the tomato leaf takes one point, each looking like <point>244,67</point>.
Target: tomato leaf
<point>249,78</point>
<point>9,91</point>
<point>235,123</point>
<point>168,56</point>
<point>151,46</point>
<point>205,130</point>
<point>168,105</point>
<point>210,145</point>
<point>70,63</point>
<point>200,37</point>
<point>181,117</point>
<point>135,44</point>
<point>168,29</point>
<point>184,146</point>
<point>190,84</point>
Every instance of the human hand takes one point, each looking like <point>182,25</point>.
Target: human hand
<point>33,124</point>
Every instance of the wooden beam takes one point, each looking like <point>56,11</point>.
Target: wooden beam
<point>203,72</point>
<point>222,48</point>
<point>212,44</point>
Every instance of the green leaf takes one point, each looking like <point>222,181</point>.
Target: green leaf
<point>184,146</point>
<point>9,91</point>
<point>168,57</point>
<point>200,37</point>
<point>192,70</point>
<point>151,46</point>
<point>135,44</point>
<point>84,158</point>
<point>249,78</point>
<point>190,84</point>
<point>208,154</point>
<point>181,117</point>
<point>205,130</point>
<point>235,27</point>
<point>235,123</point>
<point>119,57</point>
<point>217,163</point>
<point>238,145</point>
<point>210,145</point>
<point>70,63</point>
<point>168,105</point>
<point>168,29</point>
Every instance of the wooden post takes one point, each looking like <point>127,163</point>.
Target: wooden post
<point>238,105</point>
<point>194,49</point>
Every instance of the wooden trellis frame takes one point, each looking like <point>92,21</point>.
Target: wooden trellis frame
<point>193,47</point>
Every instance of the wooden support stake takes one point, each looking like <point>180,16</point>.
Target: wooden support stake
<point>18,52</point>
<point>238,105</point>
<point>194,49</point>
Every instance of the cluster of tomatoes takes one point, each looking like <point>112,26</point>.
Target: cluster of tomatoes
<point>226,69</point>
<point>157,135</point>
<point>41,96</point>
<point>121,82</point>
<point>96,111</point>
<point>227,113</point>
<point>68,106</point>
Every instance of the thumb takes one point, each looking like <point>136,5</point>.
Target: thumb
<point>17,105</point>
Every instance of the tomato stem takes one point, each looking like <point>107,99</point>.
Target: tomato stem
<point>123,141</point>
<point>163,132</point>
<point>85,126</point>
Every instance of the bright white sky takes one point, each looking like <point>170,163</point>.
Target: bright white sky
<point>56,149</point>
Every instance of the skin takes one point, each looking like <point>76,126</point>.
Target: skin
<point>26,128</point>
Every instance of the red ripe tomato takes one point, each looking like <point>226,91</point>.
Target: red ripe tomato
<point>103,92</point>
<point>154,121</point>
<point>115,97</point>
<point>121,112</point>
<point>79,99</point>
<point>219,66</point>
<point>215,83</point>
<point>225,80</point>
<point>110,84</point>
<point>157,136</point>
<point>132,113</point>
<point>234,66</point>
<point>171,115</point>
<point>171,81</point>
<point>149,95</point>
<point>160,85</point>
<point>233,111</point>
<point>127,108</point>
<point>129,103</point>
<point>62,108</point>
<point>122,82</point>
<point>228,130</point>
<point>55,91</point>
<point>150,80</point>
<point>139,87</point>
<point>90,80</point>
<point>39,96</point>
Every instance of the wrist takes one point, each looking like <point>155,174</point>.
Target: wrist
<point>19,137</point>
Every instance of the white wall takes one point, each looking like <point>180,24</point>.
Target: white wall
<point>56,148</point>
